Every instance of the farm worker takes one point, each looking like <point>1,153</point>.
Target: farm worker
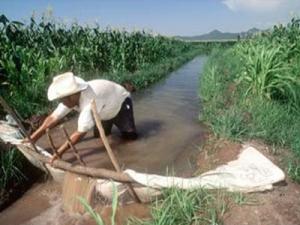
<point>113,103</point>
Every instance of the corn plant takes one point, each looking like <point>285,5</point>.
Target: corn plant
<point>265,73</point>
<point>270,64</point>
<point>32,53</point>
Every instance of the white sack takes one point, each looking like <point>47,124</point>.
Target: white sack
<point>251,172</point>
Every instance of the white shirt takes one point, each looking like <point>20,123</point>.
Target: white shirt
<point>109,97</point>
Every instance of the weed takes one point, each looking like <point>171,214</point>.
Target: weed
<point>11,167</point>
<point>240,198</point>
<point>294,170</point>
<point>95,215</point>
<point>186,207</point>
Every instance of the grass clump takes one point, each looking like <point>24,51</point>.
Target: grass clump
<point>252,90</point>
<point>11,167</point>
<point>96,217</point>
<point>187,207</point>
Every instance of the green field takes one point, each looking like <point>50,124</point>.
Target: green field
<point>31,54</point>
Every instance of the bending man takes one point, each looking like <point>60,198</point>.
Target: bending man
<point>113,104</point>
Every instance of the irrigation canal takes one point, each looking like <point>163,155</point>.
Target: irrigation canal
<point>166,117</point>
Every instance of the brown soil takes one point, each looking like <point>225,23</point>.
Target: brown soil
<point>277,207</point>
<point>216,152</point>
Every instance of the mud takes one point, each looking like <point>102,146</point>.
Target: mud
<point>39,198</point>
<point>277,207</point>
<point>215,152</point>
<point>43,205</point>
<point>169,136</point>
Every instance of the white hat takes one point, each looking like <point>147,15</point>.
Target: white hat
<point>64,85</point>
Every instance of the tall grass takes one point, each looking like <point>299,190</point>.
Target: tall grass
<point>252,91</point>
<point>266,72</point>
<point>11,168</point>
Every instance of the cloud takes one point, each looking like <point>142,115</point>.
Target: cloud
<point>254,5</point>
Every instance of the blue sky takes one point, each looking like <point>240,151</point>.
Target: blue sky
<point>177,17</point>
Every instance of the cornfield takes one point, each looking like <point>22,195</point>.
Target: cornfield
<point>31,54</point>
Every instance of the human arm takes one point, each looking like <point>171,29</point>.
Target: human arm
<point>85,123</point>
<point>49,122</point>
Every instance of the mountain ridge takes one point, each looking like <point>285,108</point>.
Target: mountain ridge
<point>219,35</point>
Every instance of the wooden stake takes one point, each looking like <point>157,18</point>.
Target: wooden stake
<point>72,146</point>
<point>109,150</point>
<point>51,143</point>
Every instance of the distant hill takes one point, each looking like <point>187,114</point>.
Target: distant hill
<point>218,35</point>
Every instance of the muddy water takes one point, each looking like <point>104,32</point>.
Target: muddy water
<point>169,135</point>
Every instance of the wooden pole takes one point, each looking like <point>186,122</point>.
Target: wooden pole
<point>72,146</point>
<point>51,143</point>
<point>109,150</point>
<point>83,170</point>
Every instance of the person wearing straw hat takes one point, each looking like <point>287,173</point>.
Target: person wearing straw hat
<point>113,103</point>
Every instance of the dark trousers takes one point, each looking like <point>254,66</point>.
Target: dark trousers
<point>124,121</point>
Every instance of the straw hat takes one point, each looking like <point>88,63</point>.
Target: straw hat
<point>64,85</point>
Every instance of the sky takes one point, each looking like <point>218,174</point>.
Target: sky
<point>176,17</point>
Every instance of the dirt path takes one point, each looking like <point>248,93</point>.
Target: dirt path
<point>277,207</point>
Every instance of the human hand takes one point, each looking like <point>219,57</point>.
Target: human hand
<point>54,157</point>
<point>25,141</point>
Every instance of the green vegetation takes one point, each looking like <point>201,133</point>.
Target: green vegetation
<point>11,166</point>
<point>177,207</point>
<point>187,207</point>
<point>252,91</point>
<point>31,54</point>
<point>95,215</point>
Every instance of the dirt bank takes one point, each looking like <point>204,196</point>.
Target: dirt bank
<point>277,207</point>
